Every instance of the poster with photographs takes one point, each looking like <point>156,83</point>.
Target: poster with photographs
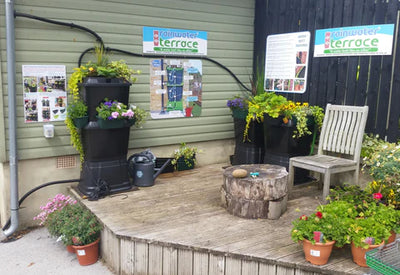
<point>286,62</point>
<point>175,88</point>
<point>44,90</point>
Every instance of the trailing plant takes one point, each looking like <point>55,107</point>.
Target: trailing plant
<point>276,106</point>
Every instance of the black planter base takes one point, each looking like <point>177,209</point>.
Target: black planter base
<point>300,175</point>
<point>101,178</point>
<point>247,153</point>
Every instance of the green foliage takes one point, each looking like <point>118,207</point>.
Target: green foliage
<point>77,109</point>
<point>275,106</point>
<point>76,225</point>
<point>371,144</point>
<point>389,193</point>
<point>363,228</point>
<point>349,193</point>
<point>75,138</point>
<point>185,152</point>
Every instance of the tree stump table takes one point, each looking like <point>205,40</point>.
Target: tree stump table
<point>263,196</point>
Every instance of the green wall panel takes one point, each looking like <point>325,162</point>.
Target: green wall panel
<point>229,24</point>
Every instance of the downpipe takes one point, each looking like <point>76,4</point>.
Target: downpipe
<point>10,35</point>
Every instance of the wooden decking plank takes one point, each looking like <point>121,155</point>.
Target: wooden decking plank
<point>170,261</point>
<point>216,265</point>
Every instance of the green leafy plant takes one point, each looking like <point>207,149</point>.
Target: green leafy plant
<point>349,193</point>
<point>331,220</point>
<point>276,106</point>
<point>366,231</point>
<point>371,144</point>
<point>76,109</point>
<point>186,153</point>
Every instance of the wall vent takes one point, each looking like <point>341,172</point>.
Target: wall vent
<point>66,162</point>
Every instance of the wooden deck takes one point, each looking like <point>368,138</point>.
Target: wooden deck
<point>178,226</point>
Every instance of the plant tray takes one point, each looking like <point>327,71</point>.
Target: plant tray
<point>385,260</point>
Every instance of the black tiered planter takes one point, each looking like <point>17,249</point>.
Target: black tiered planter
<point>105,168</point>
<point>280,145</point>
<point>249,151</point>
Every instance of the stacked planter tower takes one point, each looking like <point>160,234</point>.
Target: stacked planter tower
<point>105,167</point>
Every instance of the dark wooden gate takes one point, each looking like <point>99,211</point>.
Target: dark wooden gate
<point>353,80</point>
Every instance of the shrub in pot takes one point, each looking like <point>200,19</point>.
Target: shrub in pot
<point>81,228</point>
<point>184,157</point>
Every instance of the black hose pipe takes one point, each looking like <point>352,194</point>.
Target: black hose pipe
<point>163,56</point>
<point>72,25</point>
<point>34,190</point>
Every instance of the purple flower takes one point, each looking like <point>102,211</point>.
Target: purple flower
<point>108,103</point>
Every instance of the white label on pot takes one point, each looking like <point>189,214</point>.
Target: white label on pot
<point>315,253</point>
<point>80,252</point>
<point>160,73</point>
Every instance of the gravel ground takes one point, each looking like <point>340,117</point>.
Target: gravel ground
<point>36,252</point>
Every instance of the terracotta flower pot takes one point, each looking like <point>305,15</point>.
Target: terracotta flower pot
<point>392,237</point>
<point>87,254</point>
<point>70,249</point>
<point>318,253</point>
<point>359,253</point>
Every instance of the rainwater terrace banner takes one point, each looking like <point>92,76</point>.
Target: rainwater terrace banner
<point>174,41</point>
<point>360,40</point>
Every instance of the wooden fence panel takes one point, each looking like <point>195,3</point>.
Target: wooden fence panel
<point>347,80</point>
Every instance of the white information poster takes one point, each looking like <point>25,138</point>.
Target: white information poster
<point>175,88</point>
<point>286,62</point>
<point>44,90</point>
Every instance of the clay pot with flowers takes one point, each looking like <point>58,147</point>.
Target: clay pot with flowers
<point>81,229</point>
<point>320,231</point>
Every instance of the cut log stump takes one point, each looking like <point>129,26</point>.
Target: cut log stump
<point>263,196</point>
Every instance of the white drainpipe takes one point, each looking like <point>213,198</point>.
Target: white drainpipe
<point>10,32</point>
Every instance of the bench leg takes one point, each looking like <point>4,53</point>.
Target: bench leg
<point>291,176</point>
<point>327,182</point>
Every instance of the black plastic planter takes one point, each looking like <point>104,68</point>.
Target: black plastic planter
<point>280,145</point>
<point>251,150</point>
<point>105,169</point>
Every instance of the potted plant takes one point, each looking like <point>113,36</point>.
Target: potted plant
<point>81,228</point>
<point>366,234</point>
<point>184,158</point>
<point>250,149</point>
<point>114,114</point>
<point>290,128</point>
<point>320,231</point>
<point>51,216</point>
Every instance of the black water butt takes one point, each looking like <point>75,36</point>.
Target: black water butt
<point>280,145</point>
<point>251,150</point>
<point>105,167</point>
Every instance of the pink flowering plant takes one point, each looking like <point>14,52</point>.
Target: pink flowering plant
<point>114,110</point>
<point>54,204</point>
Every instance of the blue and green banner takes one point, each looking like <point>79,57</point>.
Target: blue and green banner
<point>352,41</point>
<point>174,41</point>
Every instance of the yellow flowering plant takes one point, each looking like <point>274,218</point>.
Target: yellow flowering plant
<point>384,166</point>
<point>277,106</point>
